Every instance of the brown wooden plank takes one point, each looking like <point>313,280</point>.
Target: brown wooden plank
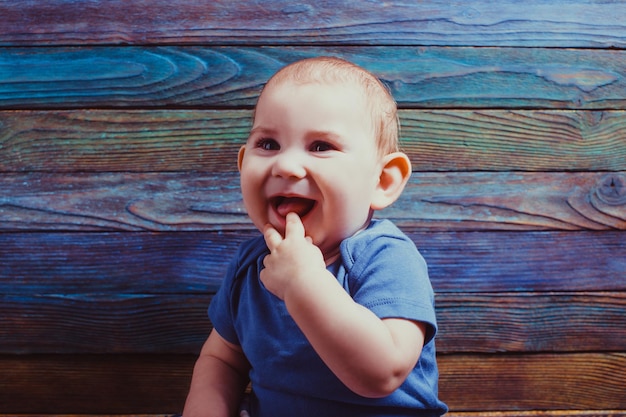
<point>87,415</point>
<point>540,413</point>
<point>178,323</point>
<point>591,381</point>
<point>200,201</point>
<point>115,384</point>
<point>227,77</point>
<point>94,384</point>
<point>459,262</point>
<point>580,24</point>
<point>208,140</point>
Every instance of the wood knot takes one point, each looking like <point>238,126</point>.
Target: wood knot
<point>611,189</point>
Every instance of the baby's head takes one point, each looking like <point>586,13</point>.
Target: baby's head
<point>323,145</point>
<point>332,70</point>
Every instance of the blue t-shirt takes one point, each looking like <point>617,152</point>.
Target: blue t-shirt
<point>382,270</point>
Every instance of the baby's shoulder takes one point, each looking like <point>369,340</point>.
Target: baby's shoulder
<point>381,237</point>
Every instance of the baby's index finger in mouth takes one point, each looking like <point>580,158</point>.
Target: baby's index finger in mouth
<point>294,221</point>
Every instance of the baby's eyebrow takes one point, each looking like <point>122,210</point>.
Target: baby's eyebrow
<point>323,134</point>
<point>262,131</point>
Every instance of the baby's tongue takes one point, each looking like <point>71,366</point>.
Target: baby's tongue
<point>297,205</point>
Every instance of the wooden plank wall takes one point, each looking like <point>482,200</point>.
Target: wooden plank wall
<point>119,202</point>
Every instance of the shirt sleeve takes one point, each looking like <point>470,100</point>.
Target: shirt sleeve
<point>220,312</point>
<point>387,275</point>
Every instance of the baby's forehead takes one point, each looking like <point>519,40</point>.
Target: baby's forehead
<point>337,88</point>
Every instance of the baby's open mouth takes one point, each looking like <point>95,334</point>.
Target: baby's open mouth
<point>299,205</point>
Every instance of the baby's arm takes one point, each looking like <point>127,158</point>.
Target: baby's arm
<point>370,356</point>
<point>219,379</point>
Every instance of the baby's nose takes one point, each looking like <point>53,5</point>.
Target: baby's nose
<point>289,164</point>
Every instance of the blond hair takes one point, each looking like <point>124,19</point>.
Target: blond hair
<point>383,108</point>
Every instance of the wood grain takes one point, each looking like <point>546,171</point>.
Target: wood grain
<point>177,323</point>
<point>531,322</point>
<point>120,205</point>
<point>539,413</point>
<point>533,382</point>
<point>94,384</point>
<point>191,201</point>
<point>104,323</point>
<point>583,23</point>
<point>208,140</point>
<point>459,262</point>
<point>133,384</point>
<point>542,413</point>
<point>227,77</point>
<point>122,140</point>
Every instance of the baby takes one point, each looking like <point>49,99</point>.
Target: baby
<point>330,312</point>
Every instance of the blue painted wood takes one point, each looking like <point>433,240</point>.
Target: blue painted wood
<point>163,263</point>
<point>575,23</point>
<point>528,266</point>
<point>198,202</point>
<point>218,77</point>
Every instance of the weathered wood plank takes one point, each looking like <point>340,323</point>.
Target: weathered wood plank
<point>197,140</point>
<point>124,263</point>
<point>223,77</point>
<point>178,323</point>
<point>92,415</point>
<point>514,140</point>
<point>459,262</point>
<point>109,415</point>
<point>122,140</point>
<point>116,384</point>
<point>533,382</point>
<point>94,384</point>
<point>582,23</point>
<point>531,322</point>
<point>540,413</point>
<point>104,323</point>
<point>199,201</point>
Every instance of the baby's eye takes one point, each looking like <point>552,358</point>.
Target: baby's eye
<point>268,144</point>
<point>322,147</point>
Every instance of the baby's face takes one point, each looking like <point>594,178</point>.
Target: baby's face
<point>311,151</point>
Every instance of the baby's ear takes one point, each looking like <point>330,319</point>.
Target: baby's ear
<point>395,173</point>
<point>242,151</point>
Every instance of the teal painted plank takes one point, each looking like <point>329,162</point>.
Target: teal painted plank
<point>194,263</point>
<point>223,77</point>
<point>576,23</point>
<point>208,140</point>
<point>197,201</point>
